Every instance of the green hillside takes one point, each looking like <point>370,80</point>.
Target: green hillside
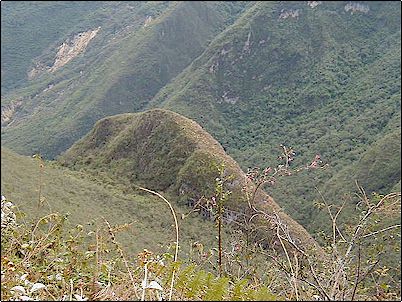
<point>165,151</point>
<point>86,199</point>
<point>322,77</point>
<point>171,153</point>
<point>378,169</point>
<point>28,29</point>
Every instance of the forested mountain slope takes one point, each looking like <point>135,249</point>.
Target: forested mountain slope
<point>134,93</point>
<point>323,78</point>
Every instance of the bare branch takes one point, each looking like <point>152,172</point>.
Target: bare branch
<point>177,233</point>
<point>382,230</point>
<point>357,273</point>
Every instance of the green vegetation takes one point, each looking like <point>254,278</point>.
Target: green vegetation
<point>48,258</point>
<point>378,169</point>
<point>326,82</point>
<point>123,67</point>
<point>28,29</point>
<point>50,261</point>
<point>322,77</point>
<point>164,151</point>
<point>86,199</point>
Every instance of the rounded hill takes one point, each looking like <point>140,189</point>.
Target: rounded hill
<point>165,151</point>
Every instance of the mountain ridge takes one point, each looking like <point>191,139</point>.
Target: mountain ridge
<point>165,151</point>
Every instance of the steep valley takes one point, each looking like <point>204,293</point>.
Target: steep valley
<point>117,95</point>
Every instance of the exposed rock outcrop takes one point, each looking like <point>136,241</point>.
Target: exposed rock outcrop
<point>292,13</point>
<point>147,21</point>
<point>8,111</point>
<point>70,49</point>
<point>313,4</point>
<point>357,7</point>
<point>66,52</point>
<point>37,70</point>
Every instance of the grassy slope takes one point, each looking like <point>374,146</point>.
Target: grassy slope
<point>378,170</point>
<point>87,199</point>
<point>33,31</point>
